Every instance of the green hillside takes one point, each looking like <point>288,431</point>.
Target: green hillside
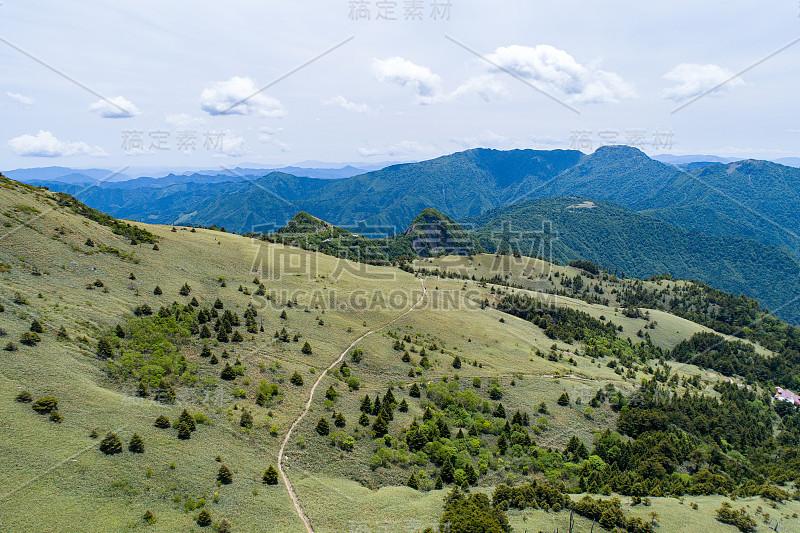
<point>642,246</point>
<point>166,386</point>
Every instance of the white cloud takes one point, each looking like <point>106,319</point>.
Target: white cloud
<point>239,96</point>
<point>182,120</point>
<point>228,144</point>
<point>267,136</point>
<point>556,69</point>
<point>693,80</point>
<point>347,105</point>
<point>425,84</point>
<point>116,107</point>
<point>45,144</point>
<point>428,87</point>
<point>486,87</point>
<point>403,148</point>
<point>24,100</point>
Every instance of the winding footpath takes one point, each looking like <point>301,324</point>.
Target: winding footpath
<point>299,508</point>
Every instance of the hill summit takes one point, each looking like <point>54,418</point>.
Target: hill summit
<point>303,223</point>
<point>434,233</point>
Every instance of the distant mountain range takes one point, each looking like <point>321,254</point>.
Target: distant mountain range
<point>651,217</point>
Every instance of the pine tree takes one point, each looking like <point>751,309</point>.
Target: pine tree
<point>228,373</point>
<point>413,482</point>
<point>413,391</point>
<point>331,394</point>
<point>366,404</point>
<point>270,476</point>
<point>237,337</point>
<point>448,470</point>
<point>306,348</point>
<point>222,336</point>
<point>218,304</point>
<point>185,290</point>
<point>502,444</point>
<point>206,351</point>
<point>406,357</point>
<point>364,420</point>
<point>157,291</point>
<point>323,428</point>
<point>563,400</point>
<point>296,379</point>
<point>187,419</point>
<point>403,407</point>
<point>224,475</point>
<point>205,333</point>
<point>36,326</point>
<point>104,349</point>
<point>283,315</point>
<point>438,485</point>
<point>517,420</point>
<point>472,474</point>
<point>246,420</point>
<point>136,445</point>
<point>340,420</point>
<point>500,411</point>
<point>111,444</point>
<point>457,362</point>
<point>204,518</point>
<point>162,422</point>
<point>380,427</point>
<point>184,433</point>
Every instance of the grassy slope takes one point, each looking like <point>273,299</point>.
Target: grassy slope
<point>94,492</point>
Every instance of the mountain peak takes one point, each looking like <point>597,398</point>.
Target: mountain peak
<point>434,233</point>
<point>303,223</point>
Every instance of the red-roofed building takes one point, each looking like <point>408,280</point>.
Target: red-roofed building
<point>787,396</point>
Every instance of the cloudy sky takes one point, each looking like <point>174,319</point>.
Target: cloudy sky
<point>201,84</point>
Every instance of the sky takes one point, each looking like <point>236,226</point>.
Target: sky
<point>102,84</point>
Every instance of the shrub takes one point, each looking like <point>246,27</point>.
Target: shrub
<point>30,339</point>
<point>143,310</point>
<point>340,420</point>
<point>563,400</point>
<point>204,518</point>
<point>270,476</point>
<point>24,397</point>
<point>111,444</point>
<point>224,475</point>
<point>162,422</point>
<point>184,433</point>
<point>228,373</point>
<point>358,355</point>
<point>149,517</point>
<point>10,347</point>
<point>45,404</point>
<point>246,421</point>
<point>296,379</point>
<point>187,419</point>
<point>136,445</point>
<point>104,349</point>
<point>738,517</point>
<point>55,416</point>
